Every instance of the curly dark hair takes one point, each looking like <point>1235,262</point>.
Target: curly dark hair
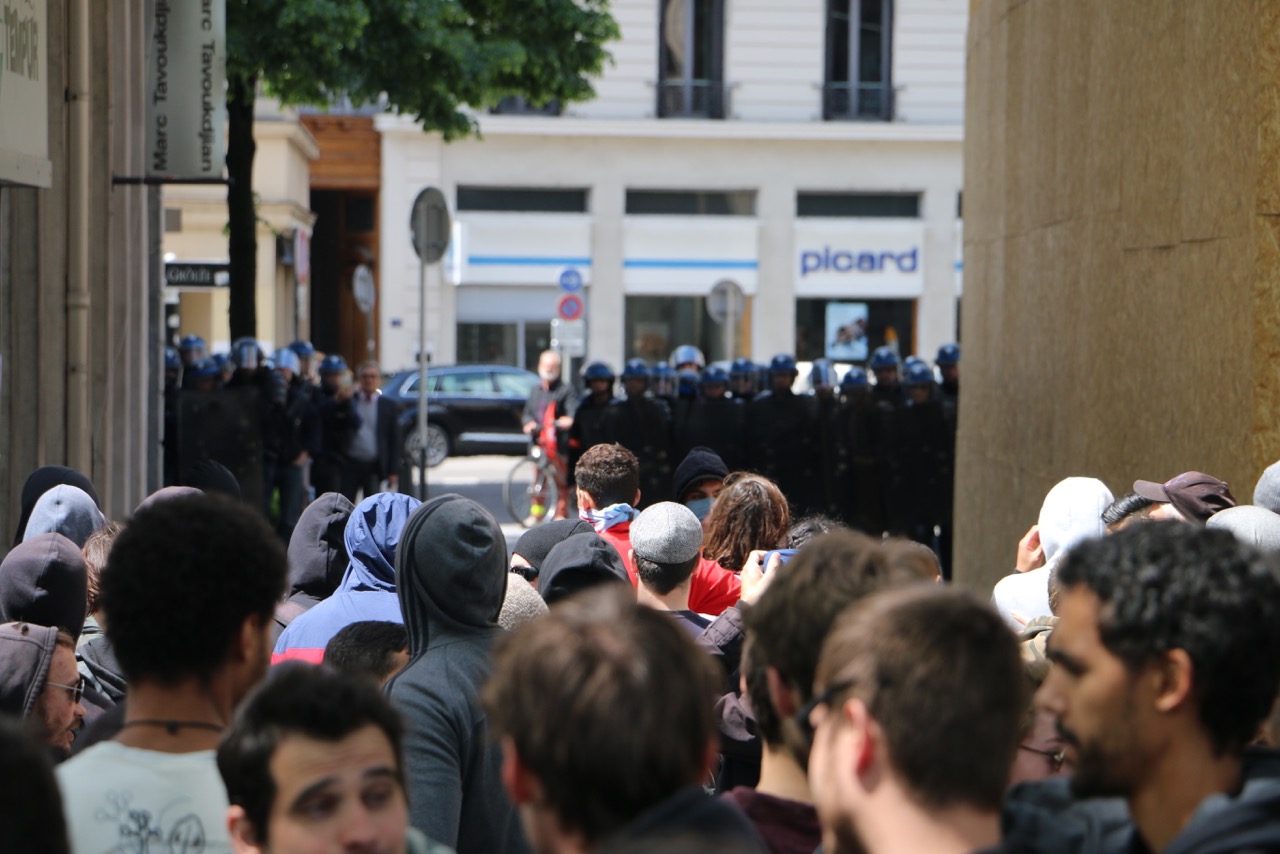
<point>180,581</point>
<point>1168,585</point>
<point>610,474</point>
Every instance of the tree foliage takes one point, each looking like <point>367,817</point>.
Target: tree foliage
<point>430,59</point>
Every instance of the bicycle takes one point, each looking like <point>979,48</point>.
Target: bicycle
<point>530,492</point>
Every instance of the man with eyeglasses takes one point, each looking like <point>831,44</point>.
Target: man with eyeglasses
<point>40,685</point>
<point>919,696</point>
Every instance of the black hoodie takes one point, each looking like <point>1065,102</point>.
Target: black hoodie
<point>43,581</point>
<point>451,571</point>
<point>317,557</point>
<point>41,481</point>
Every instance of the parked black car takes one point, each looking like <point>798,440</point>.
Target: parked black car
<point>471,409</point>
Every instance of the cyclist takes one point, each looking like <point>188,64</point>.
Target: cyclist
<point>548,415</point>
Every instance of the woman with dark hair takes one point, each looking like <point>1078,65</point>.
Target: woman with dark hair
<point>749,513</point>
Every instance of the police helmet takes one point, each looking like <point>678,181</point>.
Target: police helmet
<point>822,374</point>
<point>854,378</point>
<point>245,353</point>
<point>911,362</point>
<point>687,382</point>
<point>191,342</point>
<point>663,379</point>
<point>742,367</point>
<point>948,355</point>
<point>686,354</point>
<point>783,363</point>
<point>918,374</point>
<point>597,371</point>
<point>714,375</point>
<point>884,358</point>
<point>220,360</point>
<point>204,369</point>
<point>635,369</point>
<point>333,364</point>
<point>286,359</point>
<point>303,349</point>
<point>172,361</point>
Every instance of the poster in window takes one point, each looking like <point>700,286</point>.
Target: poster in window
<point>847,331</point>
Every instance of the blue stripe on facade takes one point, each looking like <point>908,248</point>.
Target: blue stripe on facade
<point>689,264</point>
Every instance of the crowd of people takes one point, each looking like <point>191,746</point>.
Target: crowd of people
<point>720,673</point>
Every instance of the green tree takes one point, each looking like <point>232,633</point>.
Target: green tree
<point>425,58</point>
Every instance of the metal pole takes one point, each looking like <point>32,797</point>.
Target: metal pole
<point>422,381</point>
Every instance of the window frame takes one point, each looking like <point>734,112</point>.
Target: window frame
<point>717,94</point>
<point>853,85</point>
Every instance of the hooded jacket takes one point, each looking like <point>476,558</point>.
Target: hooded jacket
<point>41,481</point>
<point>453,576</point>
<point>66,510</point>
<point>1071,513</point>
<point>43,581</point>
<point>1043,817</point>
<point>317,557</point>
<point>26,651</point>
<point>1257,526</point>
<point>368,588</point>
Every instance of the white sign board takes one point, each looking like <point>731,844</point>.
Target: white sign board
<point>186,94</point>
<point>529,250</point>
<point>867,259</point>
<point>687,255</point>
<point>24,93</point>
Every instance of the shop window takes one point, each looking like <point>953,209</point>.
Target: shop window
<point>522,199</point>
<point>849,329</point>
<point>679,203</point>
<point>873,205</point>
<point>691,60</point>
<point>657,325</point>
<point>858,84</point>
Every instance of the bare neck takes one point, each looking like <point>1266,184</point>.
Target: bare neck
<point>179,718</point>
<point>897,825</point>
<point>782,777</point>
<point>1177,782</point>
<point>676,600</point>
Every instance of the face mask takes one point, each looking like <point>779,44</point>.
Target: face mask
<point>701,507</point>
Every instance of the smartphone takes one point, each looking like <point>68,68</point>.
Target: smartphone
<point>783,554</point>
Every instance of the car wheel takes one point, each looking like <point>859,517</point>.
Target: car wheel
<point>438,446</point>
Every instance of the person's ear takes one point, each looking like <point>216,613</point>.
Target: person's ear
<point>864,736</point>
<point>517,779</point>
<point>244,839</point>
<point>584,499</point>
<point>252,638</point>
<point>631,557</point>
<point>636,503</point>
<point>781,694</point>
<point>1173,679</point>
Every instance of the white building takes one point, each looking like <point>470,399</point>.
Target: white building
<point>808,151</point>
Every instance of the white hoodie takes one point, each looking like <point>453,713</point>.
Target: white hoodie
<point>1072,512</point>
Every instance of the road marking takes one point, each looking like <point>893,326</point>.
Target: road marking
<point>456,481</point>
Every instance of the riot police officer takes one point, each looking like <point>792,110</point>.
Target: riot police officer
<point>253,372</point>
<point>338,424</point>
<point>172,383</point>
<point>715,421</point>
<point>641,423</point>
<point>589,421</point>
<point>299,440</point>
<point>917,454</point>
<point>742,379</point>
<point>782,435</point>
<point>832,466</point>
<point>862,503</point>
<point>687,357</point>
<point>948,362</point>
<point>886,366</point>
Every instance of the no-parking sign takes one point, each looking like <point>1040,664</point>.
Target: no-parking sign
<point>569,307</point>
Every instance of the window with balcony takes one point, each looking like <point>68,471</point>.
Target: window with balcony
<point>691,60</point>
<point>518,105</point>
<point>858,84</point>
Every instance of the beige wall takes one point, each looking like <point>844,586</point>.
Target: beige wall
<point>1121,311</point>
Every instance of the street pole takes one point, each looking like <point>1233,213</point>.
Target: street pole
<point>422,380</point>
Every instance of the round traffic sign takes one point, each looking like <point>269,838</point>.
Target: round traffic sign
<point>569,307</point>
<point>429,225</point>
<point>365,291</point>
<point>571,281</point>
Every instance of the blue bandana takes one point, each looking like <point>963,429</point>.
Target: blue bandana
<point>604,519</point>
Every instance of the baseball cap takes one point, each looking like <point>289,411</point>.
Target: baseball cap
<point>1194,494</point>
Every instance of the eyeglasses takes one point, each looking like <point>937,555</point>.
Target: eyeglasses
<point>801,718</point>
<point>77,690</point>
<point>1055,757</point>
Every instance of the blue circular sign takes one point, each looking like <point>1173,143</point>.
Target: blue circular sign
<point>571,281</point>
<point>569,307</point>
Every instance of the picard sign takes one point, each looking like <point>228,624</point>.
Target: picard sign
<point>186,89</point>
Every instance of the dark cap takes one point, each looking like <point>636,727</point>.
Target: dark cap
<point>1194,494</point>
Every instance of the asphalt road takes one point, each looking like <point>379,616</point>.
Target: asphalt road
<point>481,480</point>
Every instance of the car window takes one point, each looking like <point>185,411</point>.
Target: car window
<point>410,388</point>
<point>516,384</point>
<point>466,383</point>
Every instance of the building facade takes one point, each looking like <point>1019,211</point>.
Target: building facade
<point>803,157</point>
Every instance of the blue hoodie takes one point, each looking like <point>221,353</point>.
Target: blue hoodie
<point>368,589</point>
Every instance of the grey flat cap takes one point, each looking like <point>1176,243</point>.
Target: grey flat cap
<point>666,533</point>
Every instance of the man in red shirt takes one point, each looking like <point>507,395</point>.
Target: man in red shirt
<point>608,488</point>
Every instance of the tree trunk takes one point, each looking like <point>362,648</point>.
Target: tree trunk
<point>242,216</point>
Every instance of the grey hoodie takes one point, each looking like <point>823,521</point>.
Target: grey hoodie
<point>43,581</point>
<point>451,571</point>
<point>66,510</point>
<point>26,651</point>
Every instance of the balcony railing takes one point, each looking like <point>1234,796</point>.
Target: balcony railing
<point>857,102</point>
<point>693,99</point>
